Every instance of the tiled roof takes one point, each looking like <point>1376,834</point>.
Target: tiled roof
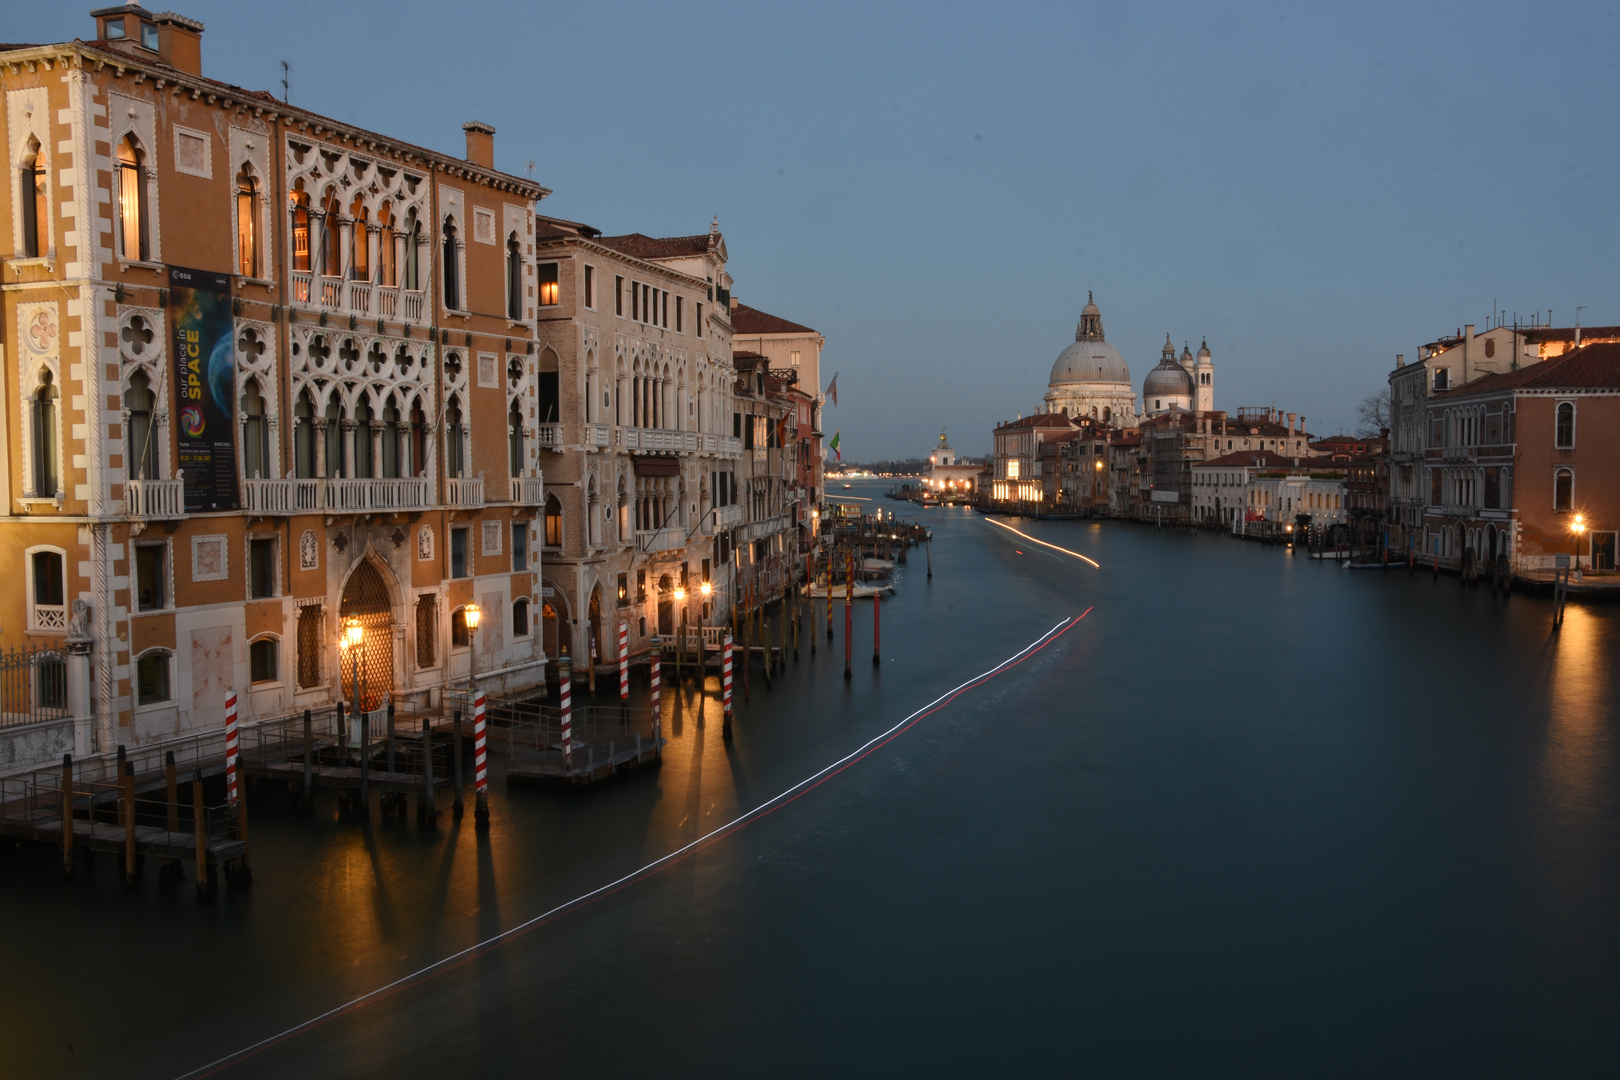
<point>640,246</point>
<point>1590,367</point>
<point>746,320</point>
<point>1567,333</point>
<point>1039,420</point>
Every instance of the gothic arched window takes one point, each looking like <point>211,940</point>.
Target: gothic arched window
<point>452,279</point>
<point>140,448</point>
<point>247,232</point>
<point>35,202</point>
<point>514,280</point>
<point>43,406</point>
<point>132,230</point>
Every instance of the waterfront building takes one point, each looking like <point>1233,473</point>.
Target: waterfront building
<point>1083,471</point>
<point>273,370</point>
<point>789,346</point>
<point>1090,378</point>
<point>642,441</point>
<point>775,521</point>
<point>1515,460</point>
<point>1264,489</point>
<point>946,475</point>
<point>1018,483</point>
<point>1441,366</point>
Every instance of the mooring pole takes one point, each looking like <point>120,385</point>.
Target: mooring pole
<point>480,766</point>
<point>455,760</point>
<point>425,810</point>
<point>67,813</point>
<point>309,758</point>
<point>565,707</point>
<point>171,789</point>
<point>929,551</point>
<point>246,865</point>
<point>725,688</point>
<point>877,627</point>
<point>199,828</point>
<point>128,782</point>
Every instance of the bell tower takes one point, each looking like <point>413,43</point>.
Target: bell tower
<point>1203,374</point>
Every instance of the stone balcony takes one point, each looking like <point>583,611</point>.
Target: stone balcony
<point>549,436</point>
<point>666,539</point>
<point>464,492</point>
<point>721,518</point>
<point>156,499</point>
<point>528,490</point>
<point>355,495</point>
<point>358,298</point>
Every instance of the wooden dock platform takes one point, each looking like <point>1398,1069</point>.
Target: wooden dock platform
<point>592,760</point>
<point>105,837</point>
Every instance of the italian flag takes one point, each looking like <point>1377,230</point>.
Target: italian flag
<point>834,445</point>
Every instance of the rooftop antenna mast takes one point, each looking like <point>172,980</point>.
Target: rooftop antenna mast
<point>286,82</point>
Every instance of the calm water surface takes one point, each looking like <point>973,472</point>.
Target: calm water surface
<point>1252,813</point>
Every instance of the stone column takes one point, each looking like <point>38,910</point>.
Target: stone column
<point>376,447</point>
<point>78,677</point>
<point>347,427</point>
<point>320,445</point>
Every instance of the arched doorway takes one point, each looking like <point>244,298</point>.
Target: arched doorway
<point>666,606</point>
<point>365,596</point>
<point>555,627</point>
<point>595,624</point>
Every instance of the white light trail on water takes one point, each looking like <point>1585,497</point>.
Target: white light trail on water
<point>1043,543</point>
<point>770,805</point>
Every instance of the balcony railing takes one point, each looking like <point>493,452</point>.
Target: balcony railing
<point>357,297</point>
<point>156,498</point>
<point>267,496</point>
<point>598,435</point>
<point>722,518</point>
<point>528,490</point>
<point>644,439</point>
<point>351,495</point>
<point>549,436</point>
<point>660,539</point>
<point>730,446</point>
<point>50,617</point>
<point>464,492</point>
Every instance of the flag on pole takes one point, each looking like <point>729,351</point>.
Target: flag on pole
<point>832,389</point>
<point>834,445</point>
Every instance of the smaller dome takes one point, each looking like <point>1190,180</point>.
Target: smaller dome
<point>1203,350</point>
<point>1186,355</point>
<point>1167,380</point>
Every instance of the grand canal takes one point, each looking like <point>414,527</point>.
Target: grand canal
<point>1252,813</point>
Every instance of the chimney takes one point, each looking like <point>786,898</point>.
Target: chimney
<point>1400,359</point>
<point>179,42</point>
<point>1290,423</point>
<point>1302,423</point>
<point>1468,347</point>
<point>480,143</point>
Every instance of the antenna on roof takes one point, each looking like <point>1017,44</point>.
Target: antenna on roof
<point>530,167</point>
<point>286,82</point>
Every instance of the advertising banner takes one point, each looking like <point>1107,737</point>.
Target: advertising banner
<point>204,387</point>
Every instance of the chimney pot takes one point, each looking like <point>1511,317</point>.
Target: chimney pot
<point>1400,359</point>
<point>480,143</point>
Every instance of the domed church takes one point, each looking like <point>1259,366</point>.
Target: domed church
<point>1187,383</point>
<point>1090,378</point>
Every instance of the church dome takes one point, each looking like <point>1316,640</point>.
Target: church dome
<point>1090,362</point>
<point>1203,352</point>
<point>1167,380</point>
<point>1090,359</point>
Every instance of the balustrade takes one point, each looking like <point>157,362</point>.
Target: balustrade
<point>267,496</point>
<point>667,539</point>
<point>331,293</point>
<point>360,297</point>
<point>464,492</point>
<point>598,435</point>
<point>155,498</point>
<point>528,490</point>
<point>549,436</point>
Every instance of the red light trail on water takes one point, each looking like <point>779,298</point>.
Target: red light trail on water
<point>769,806</point>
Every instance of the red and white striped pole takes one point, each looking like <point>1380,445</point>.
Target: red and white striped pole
<point>230,745</point>
<point>624,663</point>
<point>725,689</point>
<point>480,765</point>
<point>565,704</point>
<point>656,675</point>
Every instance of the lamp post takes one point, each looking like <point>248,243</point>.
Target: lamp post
<point>680,644</point>
<point>1576,528</point>
<point>705,590</point>
<point>352,642</point>
<point>473,614</point>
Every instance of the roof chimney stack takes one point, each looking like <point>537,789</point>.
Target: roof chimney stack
<point>1290,423</point>
<point>1400,359</point>
<point>180,42</point>
<point>480,143</point>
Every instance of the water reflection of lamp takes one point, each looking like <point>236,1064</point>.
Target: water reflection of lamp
<point>680,646</point>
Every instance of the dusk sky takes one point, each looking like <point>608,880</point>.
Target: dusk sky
<point>1312,187</point>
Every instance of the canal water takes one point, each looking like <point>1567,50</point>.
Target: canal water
<point>1251,813</point>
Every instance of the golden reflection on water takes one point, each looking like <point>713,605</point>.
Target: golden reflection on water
<point>1579,724</point>
<point>698,782</point>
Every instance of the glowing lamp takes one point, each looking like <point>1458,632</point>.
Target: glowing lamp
<point>680,594</point>
<point>353,633</point>
<point>705,589</point>
<point>472,613</point>
<point>1579,524</point>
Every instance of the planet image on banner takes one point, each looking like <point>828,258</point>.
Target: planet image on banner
<point>222,374</point>
<point>191,421</point>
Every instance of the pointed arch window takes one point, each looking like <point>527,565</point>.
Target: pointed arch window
<point>130,202</point>
<point>304,437</point>
<point>247,229</point>
<point>411,271</point>
<point>334,438</point>
<point>140,448</point>
<point>331,239</point>
<point>363,463</point>
<point>35,202</point>
<point>514,280</point>
<point>554,525</point>
<point>387,267</point>
<point>390,440</point>
<point>300,228</point>
<point>453,435</point>
<point>452,277</point>
<point>359,242</point>
<point>418,442</point>
<point>44,457</point>
<point>514,438</point>
<point>255,433</point>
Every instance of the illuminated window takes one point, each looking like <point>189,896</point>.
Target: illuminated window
<point>247,247</point>
<point>548,284</point>
<point>1012,468</point>
<point>35,203</point>
<point>300,230</point>
<point>130,201</point>
<point>359,242</point>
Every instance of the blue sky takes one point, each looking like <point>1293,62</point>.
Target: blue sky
<point>1313,187</point>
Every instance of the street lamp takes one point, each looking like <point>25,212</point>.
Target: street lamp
<point>472,614</point>
<point>1576,528</point>
<point>351,640</point>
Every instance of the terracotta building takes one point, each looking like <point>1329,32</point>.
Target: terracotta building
<point>264,370</point>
